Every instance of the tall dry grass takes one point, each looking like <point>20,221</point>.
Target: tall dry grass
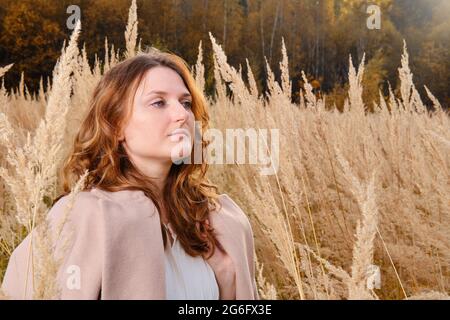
<point>354,189</point>
<point>317,202</point>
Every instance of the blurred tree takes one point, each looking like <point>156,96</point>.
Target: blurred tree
<point>30,39</point>
<point>319,36</point>
<point>432,64</point>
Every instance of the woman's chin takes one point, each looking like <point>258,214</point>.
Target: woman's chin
<point>179,153</point>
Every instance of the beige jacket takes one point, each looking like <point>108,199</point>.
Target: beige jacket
<point>117,249</point>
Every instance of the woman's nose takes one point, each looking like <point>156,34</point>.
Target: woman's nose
<point>179,111</point>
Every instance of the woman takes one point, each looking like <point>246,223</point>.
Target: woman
<point>147,225</point>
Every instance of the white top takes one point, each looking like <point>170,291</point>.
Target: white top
<point>187,278</point>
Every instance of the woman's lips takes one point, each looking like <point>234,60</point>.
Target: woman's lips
<point>179,134</point>
<point>180,131</point>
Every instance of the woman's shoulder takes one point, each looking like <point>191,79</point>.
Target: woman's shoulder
<point>91,196</point>
<point>232,212</point>
<point>80,202</point>
<point>96,205</point>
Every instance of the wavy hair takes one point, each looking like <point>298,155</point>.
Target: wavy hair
<point>188,196</point>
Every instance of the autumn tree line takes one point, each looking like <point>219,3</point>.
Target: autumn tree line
<point>319,36</point>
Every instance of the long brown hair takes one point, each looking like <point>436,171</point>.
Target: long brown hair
<point>187,195</point>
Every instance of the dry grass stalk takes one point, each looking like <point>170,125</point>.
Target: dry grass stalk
<point>50,248</point>
<point>131,31</point>
<point>5,69</point>
<point>267,291</point>
<point>199,69</point>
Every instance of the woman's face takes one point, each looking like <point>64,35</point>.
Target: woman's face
<point>162,103</point>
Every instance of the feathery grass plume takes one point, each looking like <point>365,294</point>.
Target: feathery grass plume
<point>393,102</point>
<point>317,284</point>
<point>331,286</point>
<point>50,249</point>
<point>33,181</point>
<point>279,95</point>
<point>58,108</point>
<point>106,65</point>
<point>266,290</point>
<point>310,97</point>
<point>41,93</point>
<point>59,96</point>
<point>28,181</point>
<point>96,70</point>
<point>131,32</point>
<point>310,284</point>
<point>313,227</point>
<point>48,82</point>
<point>436,104</point>
<point>355,81</point>
<point>406,76</point>
<point>286,83</point>
<point>439,137</point>
<point>274,88</point>
<point>410,97</point>
<point>317,103</point>
<point>35,170</point>
<point>8,135</point>
<point>114,57</point>
<point>278,227</point>
<point>302,104</point>
<point>111,58</point>
<point>383,105</point>
<point>5,69</point>
<point>3,93</point>
<point>366,230</point>
<point>11,232</point>
<point>276,94</point>
<point>363,248</point>
<point>3,99</point>
<point>251,80</point>
<point>334,270</point>
<point>362,252</point>
<point>139,47</point>
<point>220,86</point>
<point>85,79</point>
<point>22,91</point>
<point>241,94</point>
<point>199,69</point>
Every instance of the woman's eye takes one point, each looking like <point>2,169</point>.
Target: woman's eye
<point>188,104</point>
<point>158,103</point>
